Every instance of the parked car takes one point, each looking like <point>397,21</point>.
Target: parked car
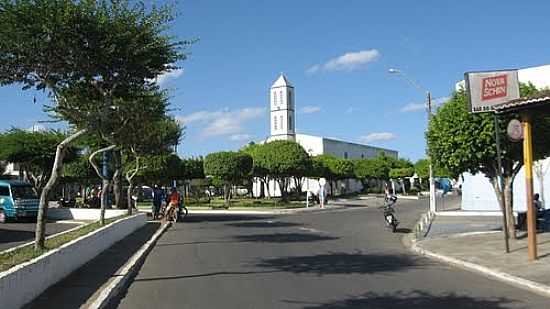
<point>17,200</point>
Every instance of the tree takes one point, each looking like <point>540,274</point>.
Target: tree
<point>34,152</point>
<point>283,160</point>
<point>334,169</point>
<point>102,45</point>
<point>461,141</point>
<point>228,166</point>
<point>259,171</point>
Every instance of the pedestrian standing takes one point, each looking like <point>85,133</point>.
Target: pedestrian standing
<point>158,197</point>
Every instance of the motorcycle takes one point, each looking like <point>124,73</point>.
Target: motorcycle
<point>389,213</point>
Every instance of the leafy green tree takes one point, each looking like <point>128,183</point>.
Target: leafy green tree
<point>258,171</point>
<point>86,47</point>
<point>34,152</point>
<point>283,160</point>
<point>401,172</point>
<point>230,167</point>
<point>461,141</point>
<point>334,169</point>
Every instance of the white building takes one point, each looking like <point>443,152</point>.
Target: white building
<point>477,191</point>
<point>283,127</point>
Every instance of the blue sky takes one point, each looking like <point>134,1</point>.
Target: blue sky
<point>337,55</point>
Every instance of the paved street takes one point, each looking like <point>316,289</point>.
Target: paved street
<point>338,259</point>
<point>14,234</point>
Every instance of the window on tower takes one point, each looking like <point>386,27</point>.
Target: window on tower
<point>281,97</point>
<point>282,127</point>
<point>275,123</point>
<point>274,98</point>
<point>290,122</point>
<point>289,99</point>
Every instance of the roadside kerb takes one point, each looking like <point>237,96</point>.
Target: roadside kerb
<point>115,286</point>
<point>22,283</point>
<point>522,283</point>
<point>47,237</point>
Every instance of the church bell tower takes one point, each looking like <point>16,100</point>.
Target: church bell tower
<point>282,110</point>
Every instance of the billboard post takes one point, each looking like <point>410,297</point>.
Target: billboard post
<point>485,90</point>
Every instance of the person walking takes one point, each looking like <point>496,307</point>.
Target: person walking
<point>158,197</point>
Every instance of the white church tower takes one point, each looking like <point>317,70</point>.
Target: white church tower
<point>282,110</point>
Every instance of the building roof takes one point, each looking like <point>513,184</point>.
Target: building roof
<point>282,81</point>
<point>538,100</point>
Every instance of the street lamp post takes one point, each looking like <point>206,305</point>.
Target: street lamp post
<point>429,110</point>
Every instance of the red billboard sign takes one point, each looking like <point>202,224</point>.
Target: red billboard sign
<point>494,87</point>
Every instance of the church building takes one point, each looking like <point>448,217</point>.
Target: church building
<point>283,127</point>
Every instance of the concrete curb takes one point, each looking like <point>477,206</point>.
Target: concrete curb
<point>519,282</point>
<point>113,288</point>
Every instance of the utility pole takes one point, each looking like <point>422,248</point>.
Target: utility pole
<point>433,208</point>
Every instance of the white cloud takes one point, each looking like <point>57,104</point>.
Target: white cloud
<point>414,107</point>
<point>166,76</point>
<point>347,62</point>
<point>377,136</point>
<point>240,137</point>
<point>310,109</point>
<point>223,122</point>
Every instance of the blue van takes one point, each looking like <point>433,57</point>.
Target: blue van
<point>17,200</point>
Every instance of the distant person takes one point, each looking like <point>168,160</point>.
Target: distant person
<point>158,197</point>
<point>173,200</point>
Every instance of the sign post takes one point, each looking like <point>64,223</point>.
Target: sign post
<point>487,89</point>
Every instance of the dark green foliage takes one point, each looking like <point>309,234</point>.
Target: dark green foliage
<point>401,172</point>
<point>227,165</point>
<point>34,152</point>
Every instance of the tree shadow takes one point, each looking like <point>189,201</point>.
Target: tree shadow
<point>344,263</point>
<point>284,237</point>
<point>263,224</point>
<point>196,218</point>
<point>7,236</point>
<point>76,289</point>
<point>414,300</point>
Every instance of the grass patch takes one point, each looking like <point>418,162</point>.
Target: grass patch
<point>27,253</point>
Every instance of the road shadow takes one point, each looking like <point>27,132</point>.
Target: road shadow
<point>196,218</point>
<point>284,237</point>
<point>414,300</point>
<point>263,224</point>
<point>343,263</point>
<point>403,230</point>
<point>76,289</point>
<point>7,236</point>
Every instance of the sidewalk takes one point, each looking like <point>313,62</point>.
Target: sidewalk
<point>477,244</point>
<point>83,285</point>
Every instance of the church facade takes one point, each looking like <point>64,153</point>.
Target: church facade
<point>283,127</point>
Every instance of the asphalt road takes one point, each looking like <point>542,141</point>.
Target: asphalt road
<point>14,234</point>
<point>339,259</point>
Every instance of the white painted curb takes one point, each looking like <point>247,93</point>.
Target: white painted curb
<point>113,288</point>
<point>525,284</point>
<point>22,283</point>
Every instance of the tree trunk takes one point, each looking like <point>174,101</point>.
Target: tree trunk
<point>105,187</point>
<point>262,189</point>
<point>117,189</point>
<point>105,180</point>
<point>45,194</point>
<point>266,182</point>
<point>129,196</point>
<point>226,197</point>
<point>508,202</point>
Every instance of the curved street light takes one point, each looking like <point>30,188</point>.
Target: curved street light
<point>429,110</point>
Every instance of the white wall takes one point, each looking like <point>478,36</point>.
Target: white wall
<point>478,193</point>
<point>354,151</point>
<point>313,145</point>
<point>22,283</point>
